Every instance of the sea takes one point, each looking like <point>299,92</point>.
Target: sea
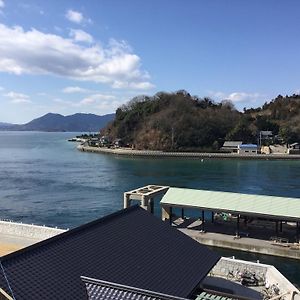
<point>45,180</point>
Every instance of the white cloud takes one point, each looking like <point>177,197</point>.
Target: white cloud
<point>144,85</point>
<point>74,89</point>
<point>105,102</point>
<point>18,97</point>
<point>76,17</point>
<point>108,106</point>
<point>96,98</point>
<point>1,88</point>
<point>237,97</point>
<point>35,52</point>
<point>79,35</point>
<point>2,4</point>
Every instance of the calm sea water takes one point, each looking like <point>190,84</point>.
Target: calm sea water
<point>45,180</point>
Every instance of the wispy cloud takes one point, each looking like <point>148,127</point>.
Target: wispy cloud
<point>35,52</point>
<point>96,98</point>
<point>31,8</point>
<point>18,97</point>
<point>74,89</point>
<point>98,103</point>
<point>76,17</point>
<point>79,35</point>
<point>2,5</point>
<point>236,97</point>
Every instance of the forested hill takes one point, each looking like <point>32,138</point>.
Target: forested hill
<point>179,121</point>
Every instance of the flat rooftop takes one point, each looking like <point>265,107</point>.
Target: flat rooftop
<point>281,208</point>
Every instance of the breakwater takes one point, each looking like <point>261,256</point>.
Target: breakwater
<point>152,153</point>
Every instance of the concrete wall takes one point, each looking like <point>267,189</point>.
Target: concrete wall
<point>28,231</point>
<point>226,265</point>
<point>268,272</point>
<point>196,155</point>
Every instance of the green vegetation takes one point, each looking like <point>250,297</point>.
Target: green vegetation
<point>178,121</point>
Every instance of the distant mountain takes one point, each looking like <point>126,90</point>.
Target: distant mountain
<point>56,122</point>
<point>5,125</point>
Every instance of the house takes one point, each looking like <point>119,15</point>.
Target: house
<point>231,146</point>
<point>93,142</point>
<point>130,253</point>
<point>104,140</point>
<point>294,148</point>
<point>118,143</point>
<point>247,149</point>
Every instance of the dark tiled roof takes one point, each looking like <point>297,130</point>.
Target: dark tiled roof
<point>103,290</point>
<point>130,247</point>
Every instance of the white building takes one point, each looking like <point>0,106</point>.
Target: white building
<point>247,149</point>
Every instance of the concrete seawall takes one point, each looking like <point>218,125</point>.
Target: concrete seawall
<point>28,230</point>
<point>14,236</point>
<point>151,153</point>
<point>244,244</point>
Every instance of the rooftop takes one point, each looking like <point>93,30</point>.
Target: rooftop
<point>232,143</point>
<point>282,208</point>
<point>248,146</point>
<point>130,247</point>
<point>103,290</point>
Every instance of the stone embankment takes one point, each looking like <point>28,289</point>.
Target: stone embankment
<point>151,153</point>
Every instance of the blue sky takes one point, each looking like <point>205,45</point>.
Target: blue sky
<point>93,56</point>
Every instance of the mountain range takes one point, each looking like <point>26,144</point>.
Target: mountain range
<point>55,122</point>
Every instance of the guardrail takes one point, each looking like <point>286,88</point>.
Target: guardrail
<point>8,227</point>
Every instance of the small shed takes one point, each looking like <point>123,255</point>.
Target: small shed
<point>231,146</point>
<point>247,149</point>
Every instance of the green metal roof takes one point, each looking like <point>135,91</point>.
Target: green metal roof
<point>278,207</point>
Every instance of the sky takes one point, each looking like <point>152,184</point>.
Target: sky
<point>92,56</point>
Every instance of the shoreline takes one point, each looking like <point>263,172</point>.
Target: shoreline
<point>157,154</point>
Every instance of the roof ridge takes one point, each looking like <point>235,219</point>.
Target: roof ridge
<point>129,288</point>
<point>229,192</point>
<point>68,233</point>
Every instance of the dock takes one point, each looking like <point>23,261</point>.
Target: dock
<point>253,223</point>
<point>223,235</point>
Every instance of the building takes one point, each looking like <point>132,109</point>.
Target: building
<point>247,149</point>
<point>265,136</point>
<point>294,148</point>
<point>93,142</point>
<point>231,146</point>
<point>130,251</point>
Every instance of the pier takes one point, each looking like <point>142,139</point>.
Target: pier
<point>253,223</point>
<point>196,155</point>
